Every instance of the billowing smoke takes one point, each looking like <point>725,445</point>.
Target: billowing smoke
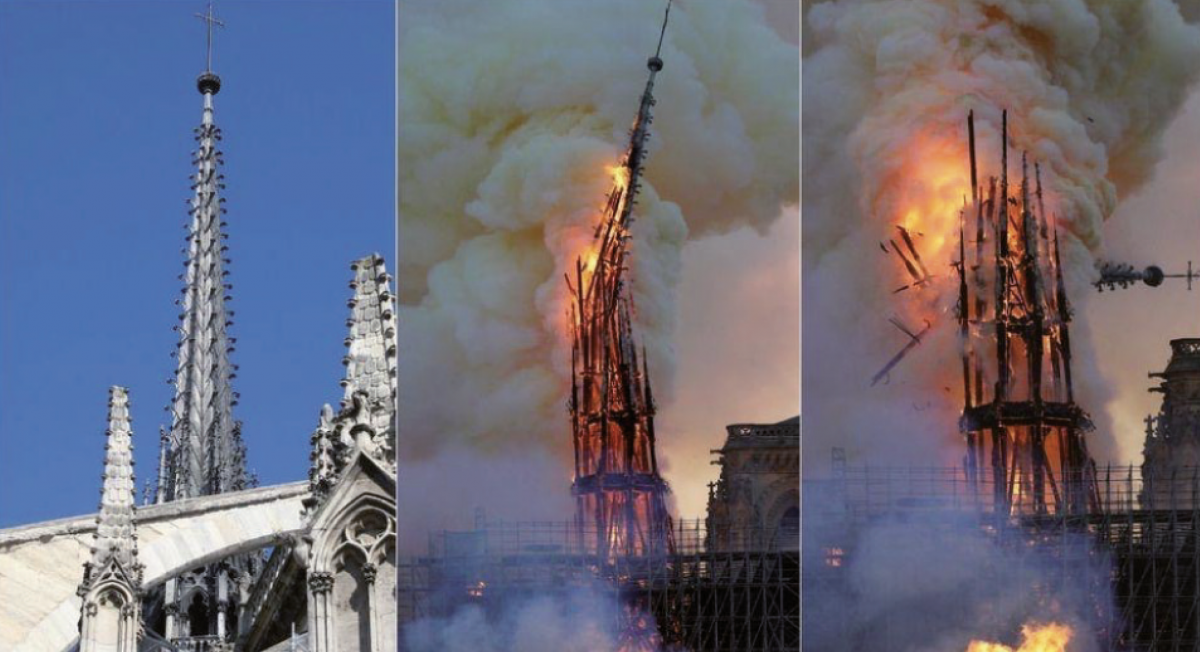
<point>510,114</point>
<point>935,581</point>
<point>1089,86</point>
<point>582,619</point>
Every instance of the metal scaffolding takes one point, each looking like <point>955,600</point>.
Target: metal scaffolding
<point>719,601</point>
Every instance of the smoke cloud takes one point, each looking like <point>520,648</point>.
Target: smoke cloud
<point>935,581</point>
<point>576,620</point>
<point>510,114</point>
<point>1090,86</point>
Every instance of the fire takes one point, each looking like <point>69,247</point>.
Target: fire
<point>585,248</point>
<point>1050,637</point>
<point>620,175</point>
<point>935,185</point>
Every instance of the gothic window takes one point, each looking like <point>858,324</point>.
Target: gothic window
<point>108,617</point>
<point>197,612</point>
<point>352,603</point>
<point>789,529</point>
<point>352,580</point>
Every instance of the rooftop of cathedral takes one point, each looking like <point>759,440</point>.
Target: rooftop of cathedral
<point>786,432</point>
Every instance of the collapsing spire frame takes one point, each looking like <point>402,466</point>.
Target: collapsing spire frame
<point>1021,403</point>
<point>617,486</point>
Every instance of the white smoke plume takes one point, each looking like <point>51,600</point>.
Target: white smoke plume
<point>1089,85</point>
<point>576,620</point>
<point>934,581</point>
<point>510,113</point>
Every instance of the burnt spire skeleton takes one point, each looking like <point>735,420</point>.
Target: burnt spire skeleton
<point>620,496</point>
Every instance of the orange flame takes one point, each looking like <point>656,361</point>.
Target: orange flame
<point>924,195</point>
<point>586,249</point>
<point>1050,637</point>
<point>935,185</point>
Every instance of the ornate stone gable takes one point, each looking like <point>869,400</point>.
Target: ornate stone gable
<point>350,552</point>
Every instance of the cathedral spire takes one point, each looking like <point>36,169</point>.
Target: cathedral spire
<point>366,422</point>
<point>620,496</point>
<point>206,453</point>
<point>114,529</point>
<point>636,153</point>
<point>111,585</point>
<point>371,344</point>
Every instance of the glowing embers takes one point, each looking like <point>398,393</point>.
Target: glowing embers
<point>1048,637</point>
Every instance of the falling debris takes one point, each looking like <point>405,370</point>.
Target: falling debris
<point>912,261</point>
<point>914,340</point>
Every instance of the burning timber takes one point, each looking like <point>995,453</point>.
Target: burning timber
<point>620,496</point>
<point>730,583</point>
<point>665,583</point>
<point>1020,421</point>
<point>1027,531</point>
<point>1026,409</point>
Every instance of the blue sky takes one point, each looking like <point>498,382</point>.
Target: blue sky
<point>97,106</point>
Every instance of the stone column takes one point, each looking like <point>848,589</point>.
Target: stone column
<point>171,606</point>
<point>369,571</point>
<point>222,602</point>
<point>320,620</point>
<point>129,630</point>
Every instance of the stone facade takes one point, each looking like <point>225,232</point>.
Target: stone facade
<point>328,585</point>
<point>1172,447</point>
<point>188,573</point>
<point>755,504</point>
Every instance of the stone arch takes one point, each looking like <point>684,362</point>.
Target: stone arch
<point>108,616</point>
<point>779,499</point>
<point>172,538</point>
<point>193,543</point>
<point>366,524</point>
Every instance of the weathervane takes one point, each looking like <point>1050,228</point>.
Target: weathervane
<point>211,20</point>
<point>1114,275</point>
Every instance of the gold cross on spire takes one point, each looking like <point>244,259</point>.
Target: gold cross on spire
<point>211,20</point>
